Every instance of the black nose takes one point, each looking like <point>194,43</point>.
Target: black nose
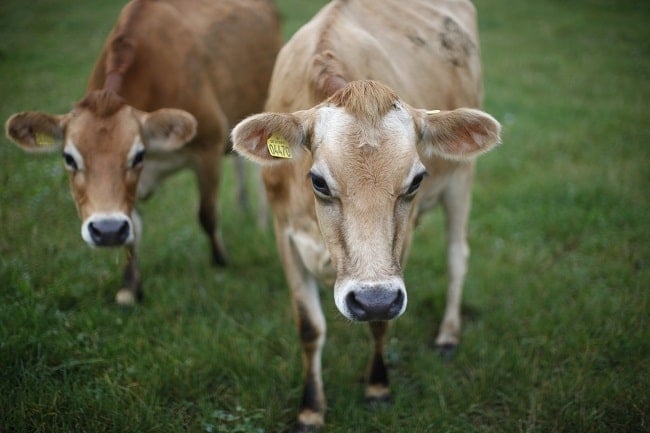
<point>109,232</point>
<point>375,303</point>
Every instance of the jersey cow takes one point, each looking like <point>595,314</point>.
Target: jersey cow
<point>171,80</point>
<point>345,155</point>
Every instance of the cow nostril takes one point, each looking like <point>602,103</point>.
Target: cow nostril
<point>397,304</point>
<point>356,308</point>
<point>95,233</point>
<point>123,232</point>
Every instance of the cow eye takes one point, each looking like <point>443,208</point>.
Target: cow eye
<point>319,184</point>
<point>138,158</point>
<point>415,184</point>
<point>70,163</point>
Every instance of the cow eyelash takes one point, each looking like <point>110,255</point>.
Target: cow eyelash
<point>70,162</point>
<point>320,185</point>
<point>415,184</point>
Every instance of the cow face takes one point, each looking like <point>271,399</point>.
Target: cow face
<point>365,177</point>
<point>103,142</point>
<point>367,149</point>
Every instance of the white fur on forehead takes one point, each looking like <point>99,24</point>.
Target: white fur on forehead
<point>399,122</point>
<point>335,125</point>
<point>331,124</point>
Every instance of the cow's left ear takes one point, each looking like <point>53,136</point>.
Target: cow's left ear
<point>459,134</point>
<point>269,138</point>
<point>167,129</point>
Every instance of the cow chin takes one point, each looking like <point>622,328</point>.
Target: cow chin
<point>108,230</point>
<point>365,301</point>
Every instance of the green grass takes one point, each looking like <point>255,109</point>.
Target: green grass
<point>556,333</point>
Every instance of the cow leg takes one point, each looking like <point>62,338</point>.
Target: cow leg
<point>131,292</point>
<point>241,183</point>
<point>263,214</point>
<point>456,201</point>
<point>208,166</point>
<point>377,375</point>
<point>311,330</point>
<point>243,197</point>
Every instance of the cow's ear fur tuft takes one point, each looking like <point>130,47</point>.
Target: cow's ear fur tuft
<point>250,137</point>
<point>34,131</point>
<point>460,134</point>
<point>167,129</point>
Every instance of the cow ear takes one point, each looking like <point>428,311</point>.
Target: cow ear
<point>167,129</point>
<point>460,134</point>
<point>36,132</point>
<point>268,138</point>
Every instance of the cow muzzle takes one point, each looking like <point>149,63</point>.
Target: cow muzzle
<point>376,301</point>
<point>107,230</point>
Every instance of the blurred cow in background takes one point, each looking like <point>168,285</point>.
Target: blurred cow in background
<point>172,79</point>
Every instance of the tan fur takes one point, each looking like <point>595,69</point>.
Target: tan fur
<point>101,103</point>
<point>366,100</point>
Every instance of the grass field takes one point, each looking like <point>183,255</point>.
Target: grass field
<point>556,308</point>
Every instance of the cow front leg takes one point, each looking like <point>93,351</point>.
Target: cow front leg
<point>241,183</point>
<point>311,330</point>
<point>243,195</point>
<point>263,212</point>
<point>131,291</point>
<point>456,201</point>
<point>311,326</point>
<point>208,166</point>
<point>377,375</point>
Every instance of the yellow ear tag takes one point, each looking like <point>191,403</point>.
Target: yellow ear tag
<point>430,112</point>
<point>43,139</point>
<point>278,147</point>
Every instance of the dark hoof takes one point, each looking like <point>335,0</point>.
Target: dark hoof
<point>305,428</point>
<point>219,260</point>
<point>379,403</point>
<point>446,351</point>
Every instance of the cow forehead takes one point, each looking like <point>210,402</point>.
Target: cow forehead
<point>113,135</point>
<point>347,147</point>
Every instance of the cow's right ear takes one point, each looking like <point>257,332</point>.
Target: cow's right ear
<point>268,138</point>
<point>36,132</point>
<point>167,129</point>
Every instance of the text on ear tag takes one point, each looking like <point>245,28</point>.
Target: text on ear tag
<point>43,139</point>
<point>278,147</point>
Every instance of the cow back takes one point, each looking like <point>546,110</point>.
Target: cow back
<point>428,52</point>
<point>211,58</point>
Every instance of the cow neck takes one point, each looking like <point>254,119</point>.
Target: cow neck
<point>113,82</point>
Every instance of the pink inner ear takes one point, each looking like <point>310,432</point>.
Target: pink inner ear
<point>470,139</point>
<point>260,137</point>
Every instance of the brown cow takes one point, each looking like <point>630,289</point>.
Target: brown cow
<point>211,59</point>
<point>342,176</point>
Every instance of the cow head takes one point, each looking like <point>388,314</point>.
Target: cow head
<point>104,143</point>
<point>368,149</point>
